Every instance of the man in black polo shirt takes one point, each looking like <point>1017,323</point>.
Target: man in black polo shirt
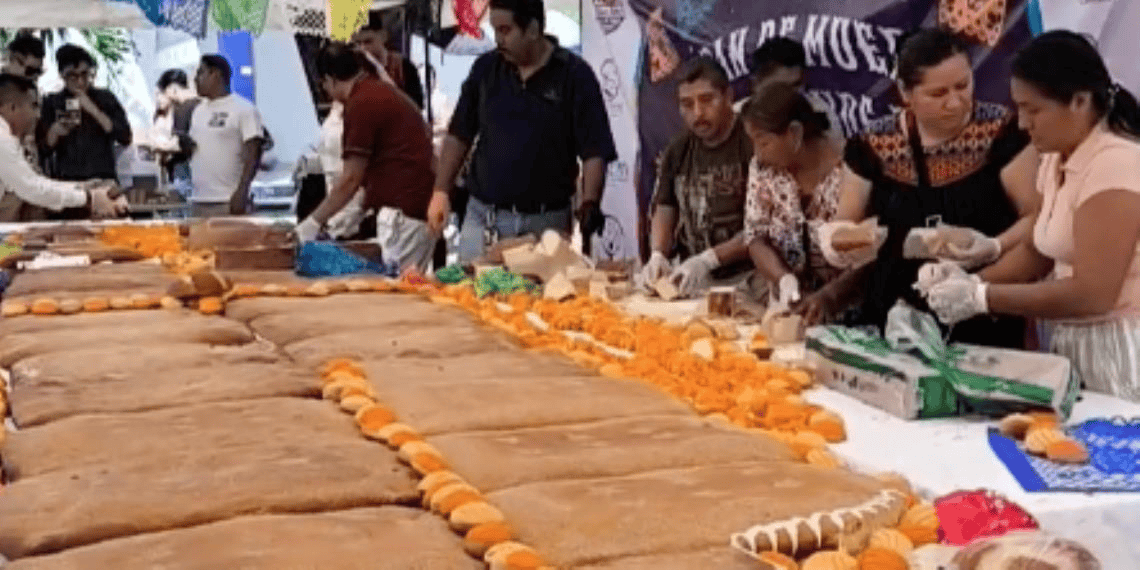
<point>536,109</point>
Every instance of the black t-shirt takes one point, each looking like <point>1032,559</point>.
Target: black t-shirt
<point>964,189</point>
<point>531,134</point>
<point>88,151</point>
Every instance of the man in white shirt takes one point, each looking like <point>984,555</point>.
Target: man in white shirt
<point>24,58</point>
<point>228,136</point>
<point>19,109</point>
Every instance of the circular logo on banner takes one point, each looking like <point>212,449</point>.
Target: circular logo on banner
<point>611,13</point>
<point>611,86</point>
<point>612,244</point>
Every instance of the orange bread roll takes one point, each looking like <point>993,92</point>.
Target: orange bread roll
<point>424,463</point>
<point>170,303</point>
<point>891,539</point>
<point>829,425</point>
<point>1039,439</point>
<point>830,560</point>
<point>317,290</point>
<point>45,307</point>
<point>1015,426</point>
<point>397,434</point>
<point>413,448</point>
<point>121,303</point>
<point>437,498</point>
<point>776,561</point>
<point>875,558</point>
<point>13,309</point>
<point>433,482</point>
<point>95,304</point>
<point>210,306</point>
<point>457,499</point>
<point>1067,451</point>
<point>370,419</point>
<point>484,536</point>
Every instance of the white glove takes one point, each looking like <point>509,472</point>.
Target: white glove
<point>958,298</point>
<point>656,268</point>
<point>789,288</point>
<point>347,221</point>
<point>694,273</point>
<point>936,272</point>
<point>307,230</point>
<point>983,251</point>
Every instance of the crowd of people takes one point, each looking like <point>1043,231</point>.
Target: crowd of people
<point>1048,190</point>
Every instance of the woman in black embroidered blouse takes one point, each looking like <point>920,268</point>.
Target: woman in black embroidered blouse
<point>976,170</point>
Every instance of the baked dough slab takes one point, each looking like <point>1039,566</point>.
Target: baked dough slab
<point>388,538</point>
<point>138,378</point>
<point>32,324</point>
<point>111,439</point>
<point>586,521</point>
<point>182,487</point>
<point>101,277</point>
<point>466,367</point>
<point>723,558</point>
<point>493,460</point>
<point>287,328</point>
<point>246,310</point>
<point>176,328</point>
<point>399,342</point>
<point>520,402</point>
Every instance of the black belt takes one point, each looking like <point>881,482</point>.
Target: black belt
<point>529,207</point>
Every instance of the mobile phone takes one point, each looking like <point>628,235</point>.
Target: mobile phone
<point>72,110</point>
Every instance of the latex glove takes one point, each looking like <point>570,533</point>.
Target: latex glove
<point>856,258</point>
<point>958,298</point>
<point>307,230</point>
<point>788,290</point>
<point>936,272</point>
<point>983,251</point>
<point>656,268</point>
<point>693,275</point>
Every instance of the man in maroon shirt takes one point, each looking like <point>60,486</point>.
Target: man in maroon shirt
<point>387,152</point>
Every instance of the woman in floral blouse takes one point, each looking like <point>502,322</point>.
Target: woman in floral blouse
<point>793,188</point>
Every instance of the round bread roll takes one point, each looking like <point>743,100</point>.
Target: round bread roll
<point>484,536</point>
<point>70,306</point>
<point>776,561</point>
<point>1038,439</point>
<point>882,559</point>
<point>371,418</point>
<point>830,560</point>
<point>319,289</point>
<point>13,309</point>
<point>95,304</point>
<point>353,404</point>
<point>473,514</point>
<point>1067,451</point>
<point>295,291</point>
<point>1015,426</point>
<point>45,307</point>
<point>397,434</point>
<point>433,482</point>
<point>273,290</point>
<point>357,286</point>
<point>143,301</point>
<point>337,287</point>
<point>412,448</point>
<point>170,303</point>
<point>210,306</point>
<point>244,290</point>
<point>453,500</point>
<point>436,498</point>
<point>335,391</point>
<point>121,303</point>
<point>512,555</point>
<point>829,425</point>
<point>424,463</point>
<point>891,539</point>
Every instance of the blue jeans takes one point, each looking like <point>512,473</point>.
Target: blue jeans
<point>507,223</point>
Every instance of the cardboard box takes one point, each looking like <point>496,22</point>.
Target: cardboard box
<point>915,375</point>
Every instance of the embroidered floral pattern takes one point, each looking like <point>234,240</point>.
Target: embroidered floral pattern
<point>776,213</point>
<point>947,162</point>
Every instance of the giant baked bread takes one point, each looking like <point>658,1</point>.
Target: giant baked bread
<point>392,538</point>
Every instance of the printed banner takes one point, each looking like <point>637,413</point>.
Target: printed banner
<point>611,41</point>
<point>849,45</point>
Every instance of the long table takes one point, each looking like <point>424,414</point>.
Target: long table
<point>939,457</point>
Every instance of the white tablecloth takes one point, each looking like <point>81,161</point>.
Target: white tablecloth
<point>943,456</point>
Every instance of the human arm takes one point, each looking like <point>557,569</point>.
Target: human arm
<point>53,126</point>
<point>347,185</point>
<point>1024,264</point>
<point>1105,234</point>
<point>19,178</point>
<point>593,141</point>
<point>250,159</point>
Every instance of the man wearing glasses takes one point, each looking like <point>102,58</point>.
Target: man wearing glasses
<point>80,125</point>
<point>25,58</point>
